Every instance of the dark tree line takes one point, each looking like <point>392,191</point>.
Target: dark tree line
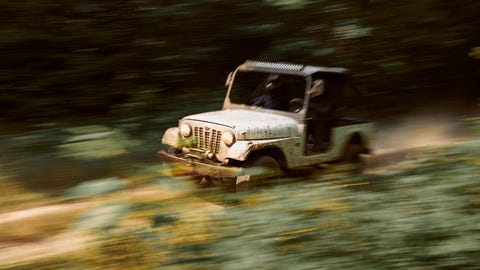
<point>85,57</point>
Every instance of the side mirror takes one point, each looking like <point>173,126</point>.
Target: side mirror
<point>229,79</point>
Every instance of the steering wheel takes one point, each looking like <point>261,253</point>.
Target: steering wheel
<point>295,105</point>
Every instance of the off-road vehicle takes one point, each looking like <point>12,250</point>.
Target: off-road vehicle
<point>224,145</point>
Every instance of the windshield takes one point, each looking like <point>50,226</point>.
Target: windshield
<point>267,90</point>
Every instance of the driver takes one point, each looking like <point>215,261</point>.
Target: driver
<point>274,94</point>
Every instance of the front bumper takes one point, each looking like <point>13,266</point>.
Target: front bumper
<point>198,167</point>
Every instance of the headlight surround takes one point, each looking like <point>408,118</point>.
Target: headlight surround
<point>185,130</point>
<point>228,138</point>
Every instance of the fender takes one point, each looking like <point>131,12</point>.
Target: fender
<point>172,137</point>
<point>241,149</point>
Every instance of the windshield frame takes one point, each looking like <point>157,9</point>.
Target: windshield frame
<point>299,116</point>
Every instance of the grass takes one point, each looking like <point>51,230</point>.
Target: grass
<point>420,214</point>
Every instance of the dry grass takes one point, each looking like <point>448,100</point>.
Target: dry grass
<point>35,228</point>
<point>13,196</point>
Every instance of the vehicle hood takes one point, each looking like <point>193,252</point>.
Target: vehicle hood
<point>251,124</point>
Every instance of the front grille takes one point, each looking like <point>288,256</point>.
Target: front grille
<point>206,138</point>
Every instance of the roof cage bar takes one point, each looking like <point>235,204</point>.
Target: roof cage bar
<point>287,66</point>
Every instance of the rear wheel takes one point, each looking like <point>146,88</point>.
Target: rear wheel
<point>258,171</point>
<point>352,153</point>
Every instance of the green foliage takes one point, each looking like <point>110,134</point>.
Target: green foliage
<point>94,188</point>
<point>95,142</point>
<point>86,58</point>
<point>102,217</point>
<point>422,214</point>
<point>130,248</point>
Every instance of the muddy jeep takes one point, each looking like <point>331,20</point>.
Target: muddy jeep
<point>246,143</point>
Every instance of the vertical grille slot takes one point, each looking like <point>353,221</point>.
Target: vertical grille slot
<point>216,135</point>
<point>207,140</point>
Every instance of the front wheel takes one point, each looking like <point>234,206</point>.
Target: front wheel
<point>258,171</point>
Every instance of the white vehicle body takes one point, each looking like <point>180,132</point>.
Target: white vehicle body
<point>219,143</point>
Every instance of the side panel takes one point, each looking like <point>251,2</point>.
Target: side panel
<point>340,137</point>
<point>343,135</point>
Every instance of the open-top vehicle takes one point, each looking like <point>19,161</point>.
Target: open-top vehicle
<point>248,133</point>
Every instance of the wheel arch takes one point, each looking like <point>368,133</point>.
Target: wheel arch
<point>357,138</point>
<point>354,147</point>
<point>273,152</point>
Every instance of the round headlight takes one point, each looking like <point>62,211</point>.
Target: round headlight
<point>228,138</point>
<point>185,130</point>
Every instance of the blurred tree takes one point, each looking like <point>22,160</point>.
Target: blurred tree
<point>83,57</point>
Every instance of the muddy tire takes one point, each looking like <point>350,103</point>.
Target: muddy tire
<point>259,171</point>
